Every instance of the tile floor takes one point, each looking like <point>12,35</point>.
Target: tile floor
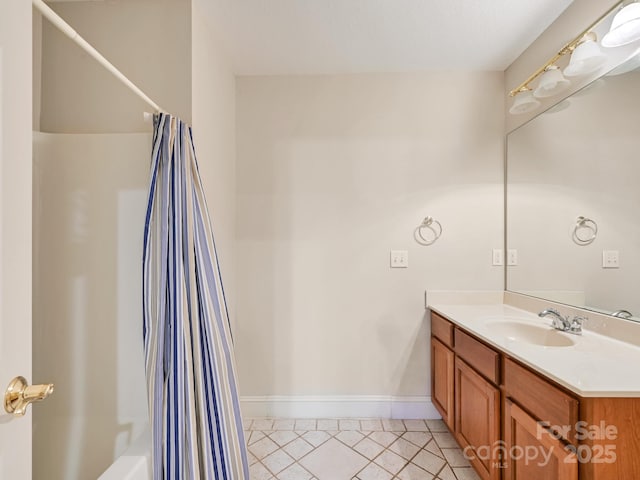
<point>354,449</point>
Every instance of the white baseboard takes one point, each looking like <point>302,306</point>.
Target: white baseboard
<point>349,406</point>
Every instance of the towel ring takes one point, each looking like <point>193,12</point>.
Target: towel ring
<point>434,226</point>
<point>585,231</point>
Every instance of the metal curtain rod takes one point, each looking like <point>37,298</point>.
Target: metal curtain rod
<point>65,28</point>
<point>568,48</point>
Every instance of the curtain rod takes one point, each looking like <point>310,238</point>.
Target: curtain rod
<point>65,28</point>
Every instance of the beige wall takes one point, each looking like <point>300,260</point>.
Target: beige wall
<point>334,172</point>
<point>213,104</point>
<point>148,40</point>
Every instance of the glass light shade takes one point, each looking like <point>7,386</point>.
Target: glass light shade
<point>586,58</point>
<point>625,27</point>
<point>551,83</point>
<point>524,102</point>
<point>629,65</point>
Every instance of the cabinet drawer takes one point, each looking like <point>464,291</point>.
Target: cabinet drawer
<point>543,400</point>
<point>483,359</point>
<point>442,329</point>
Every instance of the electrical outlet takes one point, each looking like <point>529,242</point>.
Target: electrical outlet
<point>399,259</point>
<point>610,259</point>
<point>498,259</point>
<point>512,257</point>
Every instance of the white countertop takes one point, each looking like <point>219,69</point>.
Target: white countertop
<point>595,366</point>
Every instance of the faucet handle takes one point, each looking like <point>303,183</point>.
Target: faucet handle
<point>576,324</point>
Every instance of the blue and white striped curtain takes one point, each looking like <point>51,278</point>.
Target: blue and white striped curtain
<point>196,426</point>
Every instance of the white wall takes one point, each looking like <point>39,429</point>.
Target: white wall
<point>148,40</point>
<point>89,204</point>
<point>333,173</point>
<point>213,105</point>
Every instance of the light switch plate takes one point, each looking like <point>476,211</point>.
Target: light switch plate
<point>512,257</point>
<point>498,257</point>
<point>399,259</point>
<point>610,259</point>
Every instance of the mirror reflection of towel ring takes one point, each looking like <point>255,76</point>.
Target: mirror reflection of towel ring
<point>585,231</point>
<point>434,226</point>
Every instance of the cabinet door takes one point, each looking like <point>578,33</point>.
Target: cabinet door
<point>532,452</point>
<point>477,420</point>
<point>442,380</point>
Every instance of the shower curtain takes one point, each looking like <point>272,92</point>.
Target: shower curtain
<point>196,427</point>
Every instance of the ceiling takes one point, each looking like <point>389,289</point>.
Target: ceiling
<point>271,37</point>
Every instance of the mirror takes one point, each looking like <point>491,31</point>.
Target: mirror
<point>573,199</point>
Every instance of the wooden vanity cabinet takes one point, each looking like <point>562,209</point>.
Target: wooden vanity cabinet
<point>488,399</point>
<point>477,403</point>
<point>539,427</point>
<point>442,365</point>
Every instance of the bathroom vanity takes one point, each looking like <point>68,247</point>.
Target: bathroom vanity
<point>526,401</point>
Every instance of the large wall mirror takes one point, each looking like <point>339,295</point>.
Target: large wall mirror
<point>573,199</point>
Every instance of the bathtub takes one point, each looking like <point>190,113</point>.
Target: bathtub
<point>134,464</point>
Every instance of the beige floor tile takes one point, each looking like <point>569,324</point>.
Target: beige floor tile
<point>437,426</point>
<point>432,447</point>
<point>455,457</point>
<point>429,462</point>
<point>282,437</point>
<point>277,461</point>
<point>383,438</point>
<point>251,458</point>
<point>418,438</point>
<point>371,425</point>
<point>466,474</point>
<point>333,461</point>
<point>348,424</point>
<point>316,438</point>
<point>391,425</point>
<point>368,448</point>
<point>413,472</point>
<point>255,436</point>
<point>392,462</point>
<point>298,448</point>
<point>374,472</point>
<point>445,440</point>
<point>305,424</point>
<point>294,472</point>
<point>327,424</point>
<point>262,424</point>
<point>350,437</point>
<point>259,472</point>
<point>283,424</point>
<point>404,448</point>
<point>263,447</point>
<point>446,473</point>
<point>416,425</point>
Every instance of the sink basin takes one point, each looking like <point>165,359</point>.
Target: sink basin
<point>543,335</point>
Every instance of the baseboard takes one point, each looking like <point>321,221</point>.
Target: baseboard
<point>349,406</point>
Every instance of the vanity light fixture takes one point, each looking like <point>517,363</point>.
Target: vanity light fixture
<point>586,57</point>
<point>551,82</point>
<point>625,27</point>
<point>524,102</point>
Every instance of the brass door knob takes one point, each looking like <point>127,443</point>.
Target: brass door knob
<point>19,395</point>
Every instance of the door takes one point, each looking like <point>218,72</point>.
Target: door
<point>442,380</point>
<point>15,227</point>
<point>532,452</point>
<point>477,420</point>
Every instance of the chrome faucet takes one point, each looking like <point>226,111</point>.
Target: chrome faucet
<point>563,323</point>
<point>557,320</point>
